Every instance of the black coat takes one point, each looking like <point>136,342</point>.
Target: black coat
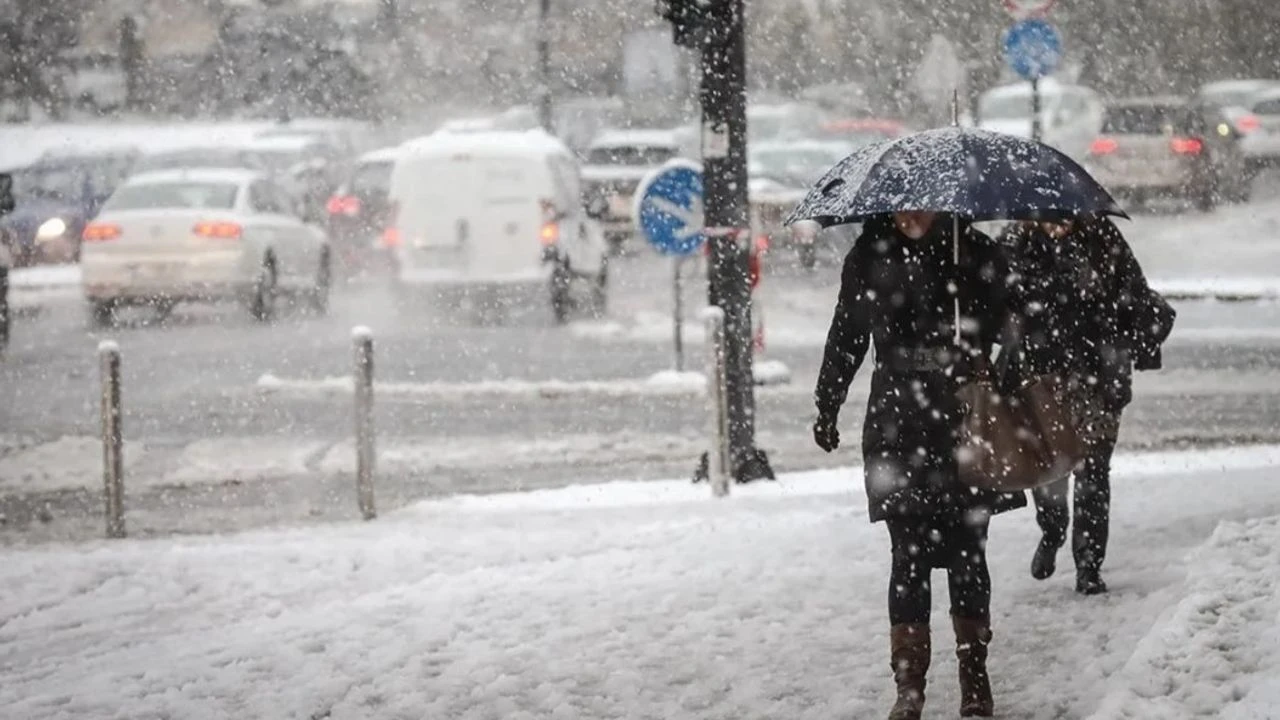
<point>1086,307</point>
<point>894,293</point>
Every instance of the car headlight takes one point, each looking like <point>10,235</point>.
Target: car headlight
<point>51,229</point>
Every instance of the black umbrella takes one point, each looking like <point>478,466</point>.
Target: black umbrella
<point>972,173</point>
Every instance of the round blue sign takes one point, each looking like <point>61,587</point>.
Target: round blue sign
<point>669,208</point>
<point>1032,48</point>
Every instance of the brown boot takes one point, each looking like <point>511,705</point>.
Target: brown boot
<point>972,638</point>
<point>909,658</point>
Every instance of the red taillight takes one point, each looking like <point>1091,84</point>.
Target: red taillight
<point>100,232</point>
<point>1248,123</point>
<point>1103,146</point>
<point>1186,146</point>
<point>391,233</point>
<point>343,205</point>
<point>218,229</point>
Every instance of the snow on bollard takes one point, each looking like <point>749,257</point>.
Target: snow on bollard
<point>717,403</point>
<point>112,438</point>
<point>362,344</point>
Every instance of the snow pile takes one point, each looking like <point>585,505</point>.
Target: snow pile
<point>240,460</point>
<point>42,285</point>
<point>1216,654</point>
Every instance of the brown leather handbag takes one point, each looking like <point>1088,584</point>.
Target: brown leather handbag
<point>1019,440</point>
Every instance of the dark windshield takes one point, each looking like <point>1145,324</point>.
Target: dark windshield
<point>1141,119</point>
<point>637,156</point>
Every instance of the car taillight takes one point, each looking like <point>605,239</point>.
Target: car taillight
<point>1248,123</point>
<point>1103,146</point>
<point>100,232</point>
<point>218,229</point>
<point>1186,146</point>
<point>550,233</point>
<point>343,205</point>
<point>391,233</point>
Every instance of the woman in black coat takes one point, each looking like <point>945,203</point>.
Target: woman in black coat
<point>898,291</point>
<point>1089,317</point>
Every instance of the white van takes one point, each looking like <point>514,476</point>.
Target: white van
<point>1070,115</point>
<point>493,217</point>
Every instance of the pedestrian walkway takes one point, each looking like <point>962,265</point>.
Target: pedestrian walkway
<point>643,600</point>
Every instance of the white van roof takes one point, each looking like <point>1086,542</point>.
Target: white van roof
<point>529,143</point>
<point>1048,86</point>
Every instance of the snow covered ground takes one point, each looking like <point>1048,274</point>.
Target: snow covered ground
<point>647,600</point>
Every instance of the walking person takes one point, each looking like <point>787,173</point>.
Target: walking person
<point>898,291</point>
<point>1091,318</point>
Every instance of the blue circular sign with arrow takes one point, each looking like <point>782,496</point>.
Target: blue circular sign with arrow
<point>1032,48</point>
<point>669,208</point>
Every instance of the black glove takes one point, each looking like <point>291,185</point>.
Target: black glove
<point>825,432</point>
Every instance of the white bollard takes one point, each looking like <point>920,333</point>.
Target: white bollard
<point>112,438</point>
<point>717,403</point>
<point>362,344</point>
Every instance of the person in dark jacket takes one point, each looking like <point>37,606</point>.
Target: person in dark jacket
<point>897,292</point>
<point>1090,317</point>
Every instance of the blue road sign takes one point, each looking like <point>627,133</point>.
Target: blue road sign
<point>669,208</point>
<point>1032,48</point>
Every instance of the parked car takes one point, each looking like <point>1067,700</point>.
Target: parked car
<point>1070,115</point>
<point>56,196</point>
<point>1235,98</point>
<point>491,218</point>
<point>617,161</point>
<point>359,209</point>
<point>1161,147</point>
<point>781,173</point>
<point>202,235</point>
<point>1261,142</point>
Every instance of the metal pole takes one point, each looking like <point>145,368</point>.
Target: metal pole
<point>362,342</point>
<point>717,403</point>
<point>677,312</point>
<point>723,96</point>
<point>112,438</point>
<point>544,66</point>
<point>1035,109</point>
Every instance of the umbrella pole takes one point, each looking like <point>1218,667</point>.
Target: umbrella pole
<point>955,263</point>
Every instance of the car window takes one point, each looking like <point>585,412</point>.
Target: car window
<point>372,179</point>
<point>264,198</point>
<point>631,155</point>
<point>1268,107</point>
<point>174,195</point>
<point>1141,119</point>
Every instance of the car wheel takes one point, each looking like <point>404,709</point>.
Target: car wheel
<point>262,305</point>
<point>561,297</point>
<point>102,313</point>
<point>318,298</point>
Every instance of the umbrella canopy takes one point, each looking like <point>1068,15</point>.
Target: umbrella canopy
<point>973,173</point>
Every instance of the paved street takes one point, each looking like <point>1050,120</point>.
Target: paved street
<point>233,424</point>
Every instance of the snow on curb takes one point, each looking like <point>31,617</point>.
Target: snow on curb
<point>35,287</point>
<point>1217,652</point>
<point>663,383</point>
<point>64,464</point>
<point>1219,288</point>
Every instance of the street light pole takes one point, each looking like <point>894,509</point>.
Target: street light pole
<point>544,65</point>
<point>723,96</point>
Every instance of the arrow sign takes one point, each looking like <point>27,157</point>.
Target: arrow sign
<point>669,209</point>
<point>1032,48</point>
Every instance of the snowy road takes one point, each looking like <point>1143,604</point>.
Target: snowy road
<point>648,600</point>
<point>213,446</point>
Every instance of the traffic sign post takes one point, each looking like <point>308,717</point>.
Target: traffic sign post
<point>1033,49</point>
<point>669,213</point>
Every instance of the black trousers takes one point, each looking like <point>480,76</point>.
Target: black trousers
<point>1092,512</point>
<point>956,542</point>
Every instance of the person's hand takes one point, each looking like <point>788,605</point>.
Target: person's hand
<point>825,432</point>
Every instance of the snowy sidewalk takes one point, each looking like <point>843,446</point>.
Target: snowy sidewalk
<point>641,600</point>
